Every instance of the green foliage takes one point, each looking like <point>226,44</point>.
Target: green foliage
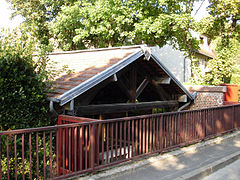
<point>222,26</point>
<point>221,68</point>
<point>223,20</point>
<point>236,75</point>
<point>23,84</point>
<point>80,24</point>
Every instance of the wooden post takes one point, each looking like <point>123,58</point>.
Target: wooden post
<point>133,82</point>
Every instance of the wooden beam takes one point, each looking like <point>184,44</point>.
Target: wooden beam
<point>87,97</point>
<point>182,98</point>
<point>123,107</point>
<point>163,80</point>
<point>161,92</point>
<point>124,88</point>
<point>133,82</point>
<point>141,87</point>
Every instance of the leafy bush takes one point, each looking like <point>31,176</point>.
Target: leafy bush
<point>23,89</point>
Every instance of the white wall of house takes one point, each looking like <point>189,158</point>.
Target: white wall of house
<point>175,60</point>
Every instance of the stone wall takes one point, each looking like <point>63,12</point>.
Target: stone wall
<point>207,96</point>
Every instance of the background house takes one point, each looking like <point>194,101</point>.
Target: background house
<point>178,62</point>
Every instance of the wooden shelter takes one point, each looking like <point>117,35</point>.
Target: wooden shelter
<point>115,82</point>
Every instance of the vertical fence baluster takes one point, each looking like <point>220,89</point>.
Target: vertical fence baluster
<point>23,163</point>
<point>172,129</point>
<point>80,148</point>
<point>63,150</point>
<point>86,146</point>
<point>147,135</point>
<point>194,123</point>
<point>0,157</point>
<point>178,128</point>
<point>185,128</point>
<point>140,137</point>
<point>97,143</point>
<point>154,134</point>
<point>129,139</point>
<point>50,155</point>
<point>57,150</point>
<point>132,137</point>
<point>44,155</point>
<point>167,131</point>
<point>164,132</point>
<point>111,142</point>
<point>30,154</point>
<point>120,140</point>
<point>116,140</point>
<point>107,143</point>
<point>69,149</point>
<point>150,134</point>
<point>15,156</point>
<point>136,138</point>
<point>190,126</point>
<point>37,156</point>
<point>92,142</point>
<point>103,143</point>
<point>8,170</point>
<point>175,129</point>
<point>157,134</point>
<point>161,136</point>
<point>143,137</point>
<point>124,144</point>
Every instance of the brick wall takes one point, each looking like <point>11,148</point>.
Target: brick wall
<point>207,96</point>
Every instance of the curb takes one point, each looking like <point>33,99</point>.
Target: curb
<point>118,170</point>
<point>210,168</point>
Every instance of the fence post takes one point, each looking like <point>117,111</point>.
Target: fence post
<point>92,146</point>
<point>0,157</point>
<point>233,116</point>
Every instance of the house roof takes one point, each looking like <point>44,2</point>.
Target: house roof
<point>90,67</point>
<point>210,54</point>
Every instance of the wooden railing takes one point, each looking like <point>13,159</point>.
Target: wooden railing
<point>67,150</point>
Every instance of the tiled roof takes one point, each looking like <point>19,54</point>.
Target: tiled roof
<point>84,65</point>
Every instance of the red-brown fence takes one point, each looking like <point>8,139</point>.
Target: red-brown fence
<point>88,146</point>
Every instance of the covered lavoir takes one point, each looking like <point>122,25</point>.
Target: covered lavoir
<point>115,82</point>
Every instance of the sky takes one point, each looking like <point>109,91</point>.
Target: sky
<point>5,14</point>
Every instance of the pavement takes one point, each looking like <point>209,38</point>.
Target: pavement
<point>197,161</point>
<point>230,172</point>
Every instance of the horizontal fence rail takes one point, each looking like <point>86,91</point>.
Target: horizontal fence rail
<point>78,145</point>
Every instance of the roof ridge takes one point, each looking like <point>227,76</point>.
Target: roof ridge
<point>97,49</point>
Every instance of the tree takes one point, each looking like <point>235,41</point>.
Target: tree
<point>79,24</point>
<point>223,20</point>
<point>23,85</point>
<point>222,26</point>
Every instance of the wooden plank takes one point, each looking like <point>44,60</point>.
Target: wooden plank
<point>141,87</point>
<point>163,80</point>
<point>123,107</point>
<point>182,98</point>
